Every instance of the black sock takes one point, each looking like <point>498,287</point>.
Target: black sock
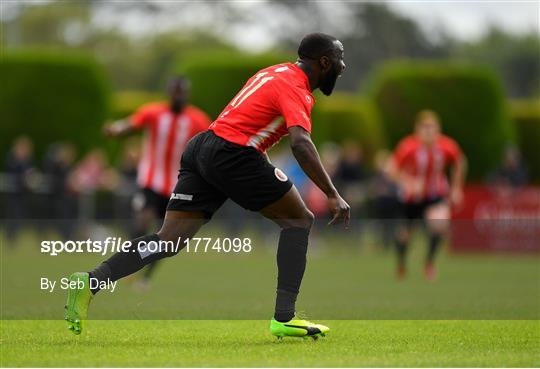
<point>401,248</point>
<point>291,262</point>
<point>101,273</point>
<point>123,264</point>
<point>434,241</point>
<point>285,305</point>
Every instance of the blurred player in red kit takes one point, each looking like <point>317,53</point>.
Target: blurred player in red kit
<point>168,127</point>
<point>418,166</point>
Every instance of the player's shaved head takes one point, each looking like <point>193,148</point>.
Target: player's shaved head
<point>322,56</point>
<point>315,45</point>
<point>178,82</point>
<point>178,88</point>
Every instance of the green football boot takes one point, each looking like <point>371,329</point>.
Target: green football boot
<point>297,328</point>
<point>79,297</point>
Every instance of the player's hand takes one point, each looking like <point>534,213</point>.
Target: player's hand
<point>119,128</point>
<point>456,197</point>
<point>411,186</point>
<point>109,130</point>
<point>417,187</point>
<point>340,210</point>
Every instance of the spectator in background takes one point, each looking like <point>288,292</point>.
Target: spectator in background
<point>131,156</point>
<point>351,167</point>
<point>315,198</point>
<point>90,175</point>
<point>19,168</point>
<point>350,175</point>
<point>128,187</point>
<point>93,173</point>
<point>384,191</point>
<point>513,173</point>
<point>57,167</point>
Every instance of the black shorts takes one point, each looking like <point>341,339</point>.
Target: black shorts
<point>146,198</point>
<point>417,210</point>
<point>213,169</point>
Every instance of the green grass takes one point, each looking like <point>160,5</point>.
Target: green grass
<point>247,343</point>
<point>483,310</point>
<point>341,283</point>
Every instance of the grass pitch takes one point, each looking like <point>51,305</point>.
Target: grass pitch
<point>247,343</point>
<point>352,290</point>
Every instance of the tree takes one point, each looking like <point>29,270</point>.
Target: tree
<point>516,58</point>
<point>131,62</point>
<point>49,24</point>
<point>372,33</point>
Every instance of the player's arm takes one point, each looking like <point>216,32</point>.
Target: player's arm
<point>397,172</point>
<point>395,167</point>
<point>458,168</point>
<point>138,120</point>
<point>119,128</point>
<point>457,180</point>
<point>308,158</point>
<point>394,171</point>
<point>400,176</point>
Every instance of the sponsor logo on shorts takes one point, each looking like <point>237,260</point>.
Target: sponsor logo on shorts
<point>280,175</point>
<point>181,196</point>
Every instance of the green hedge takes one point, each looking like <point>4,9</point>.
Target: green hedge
<point>526,117</point>
<point>342,117</point>
<point>217,77</point>
<point>468,99</point>
<point>51,97</point>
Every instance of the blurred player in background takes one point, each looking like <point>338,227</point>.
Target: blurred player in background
<point>418,167</point>
<point>229,161</point>
<point>168,127</point>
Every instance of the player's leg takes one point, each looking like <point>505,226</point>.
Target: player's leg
<point>144,250</point>
<point>144,212</point>
<point>183,218</point>
<point>295,221</point>
<point>437,221</point>
<point>177,225</point>
<point>192,204</point>
<point>249,179</point>
<point>403,234</point>
<point>144,216</point>
<point>155,209</point>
